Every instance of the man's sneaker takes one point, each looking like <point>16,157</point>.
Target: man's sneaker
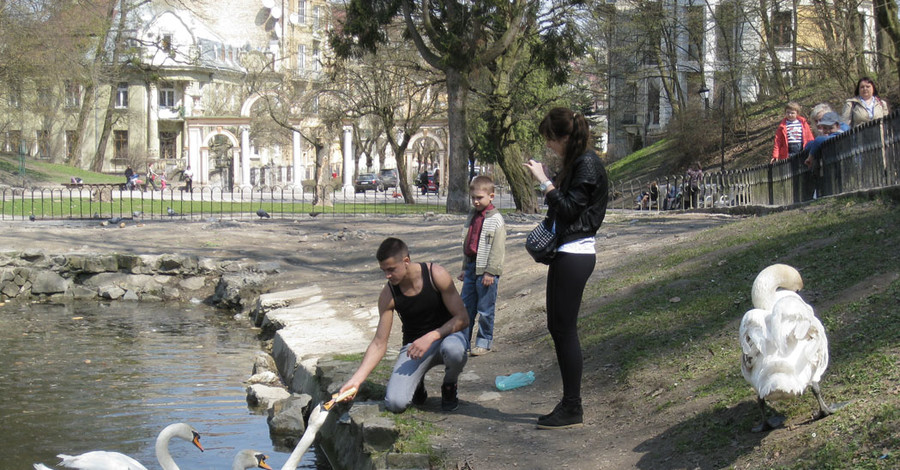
<point>449,400</point>
<point>479,351</point>
<point>420,394</point>
<point>567,414</point>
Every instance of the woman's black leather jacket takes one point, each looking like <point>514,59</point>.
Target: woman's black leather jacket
<point>578,204</point>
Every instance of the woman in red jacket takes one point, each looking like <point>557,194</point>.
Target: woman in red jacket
<point>792,134</point>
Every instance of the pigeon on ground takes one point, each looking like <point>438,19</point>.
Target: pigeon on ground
<point>314,214</point>
<point>171,212</point>
<point>31,217</point>
<point>263,214</point>
<point>115,220</point>
<point>137,214</point>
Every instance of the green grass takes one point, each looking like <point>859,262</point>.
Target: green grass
<point>640,164</point>
<point>37,171</point>
<point>836,245</point>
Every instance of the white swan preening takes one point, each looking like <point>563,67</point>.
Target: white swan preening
<point>249,459</point>
<point>102,460</point>
<point>785,349</point>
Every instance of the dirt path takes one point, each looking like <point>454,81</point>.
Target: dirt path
<point>491,430</point>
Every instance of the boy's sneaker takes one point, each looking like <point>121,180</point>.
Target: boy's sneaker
<point>449,400</point>
<point>567,414</point>
<point>420,394</point>
<point>479,351</point>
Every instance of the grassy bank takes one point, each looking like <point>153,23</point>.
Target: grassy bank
<point>669,320</point>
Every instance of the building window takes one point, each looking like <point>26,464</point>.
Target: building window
<point>316,18</point>
<point>42,137</point>
<point>73,94</point>
<point>316,65</point>
<point>167,145</point>
<point>782,30</point>
<point>120,141</point>
<point>166,43</point>
<point>71,144</point>
<point>301,11</point>
<point>301,57</point>
<point>122,95</point>
<point>166,95</point>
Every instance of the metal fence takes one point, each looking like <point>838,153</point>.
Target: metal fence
<point>111,201</point>
<point>866,157</point>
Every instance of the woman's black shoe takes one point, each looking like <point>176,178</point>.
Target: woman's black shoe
<point>567,414</point>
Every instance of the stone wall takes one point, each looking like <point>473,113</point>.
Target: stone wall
<point>36,275</point>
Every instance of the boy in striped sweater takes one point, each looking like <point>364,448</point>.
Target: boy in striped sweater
<point>484,247</point>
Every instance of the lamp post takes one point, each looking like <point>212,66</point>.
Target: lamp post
<point>704,93</point>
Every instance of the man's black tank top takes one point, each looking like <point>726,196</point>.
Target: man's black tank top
<point>422,312</point>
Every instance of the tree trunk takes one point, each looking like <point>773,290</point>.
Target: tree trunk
<point>886,12</point>
<point>458,158</point>
<point>90,97</point>
<point>521,183</point>
<point>322,195</point>
<point>100,156</point>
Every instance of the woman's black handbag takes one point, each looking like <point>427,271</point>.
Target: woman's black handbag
<point>541,242</point>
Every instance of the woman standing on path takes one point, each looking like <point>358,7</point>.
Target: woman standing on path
<point>576,201</point>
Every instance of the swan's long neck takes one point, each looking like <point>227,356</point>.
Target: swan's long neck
<point>162,448</point>
<point>769,280</point>
<point>316,420</point>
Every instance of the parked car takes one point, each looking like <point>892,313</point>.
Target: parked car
<point>365,182</point>
<point>389,178</point>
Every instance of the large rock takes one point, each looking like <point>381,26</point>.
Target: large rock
<point>264,396</point>
<point>232,286</point>
<point>48,282</point>
<point>286,417</point>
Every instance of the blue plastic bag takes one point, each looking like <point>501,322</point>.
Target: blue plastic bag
<point>509,382</point>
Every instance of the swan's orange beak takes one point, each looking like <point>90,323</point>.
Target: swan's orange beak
<point>261,458</point>
<point>336,398</point>
<point>196,441</point>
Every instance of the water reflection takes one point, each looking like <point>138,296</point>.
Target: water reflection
<point>110,376</point>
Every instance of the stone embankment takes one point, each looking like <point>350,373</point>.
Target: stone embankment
<point>36,275</point>
<point>308,339</point>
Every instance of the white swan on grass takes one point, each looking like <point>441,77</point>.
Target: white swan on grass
<point>103,460</point>
<point>784,346</point>
<point>249,459</point>
<point>316,419</point>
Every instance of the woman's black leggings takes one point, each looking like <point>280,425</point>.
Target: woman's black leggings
<point>566,279</point>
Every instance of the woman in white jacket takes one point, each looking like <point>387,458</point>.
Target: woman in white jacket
<point>865,106</point>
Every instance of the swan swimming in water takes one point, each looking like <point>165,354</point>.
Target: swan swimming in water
<point>103,460</point>
<point>785,349</point>
<point>249,459</point>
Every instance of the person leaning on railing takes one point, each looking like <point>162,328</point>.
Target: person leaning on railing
<point>865,106</point>
<point>829,126</point>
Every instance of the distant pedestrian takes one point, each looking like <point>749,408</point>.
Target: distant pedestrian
<point>188,176</point>
<point>694,176</point>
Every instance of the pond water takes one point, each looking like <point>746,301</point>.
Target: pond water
<point>110,376</point>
